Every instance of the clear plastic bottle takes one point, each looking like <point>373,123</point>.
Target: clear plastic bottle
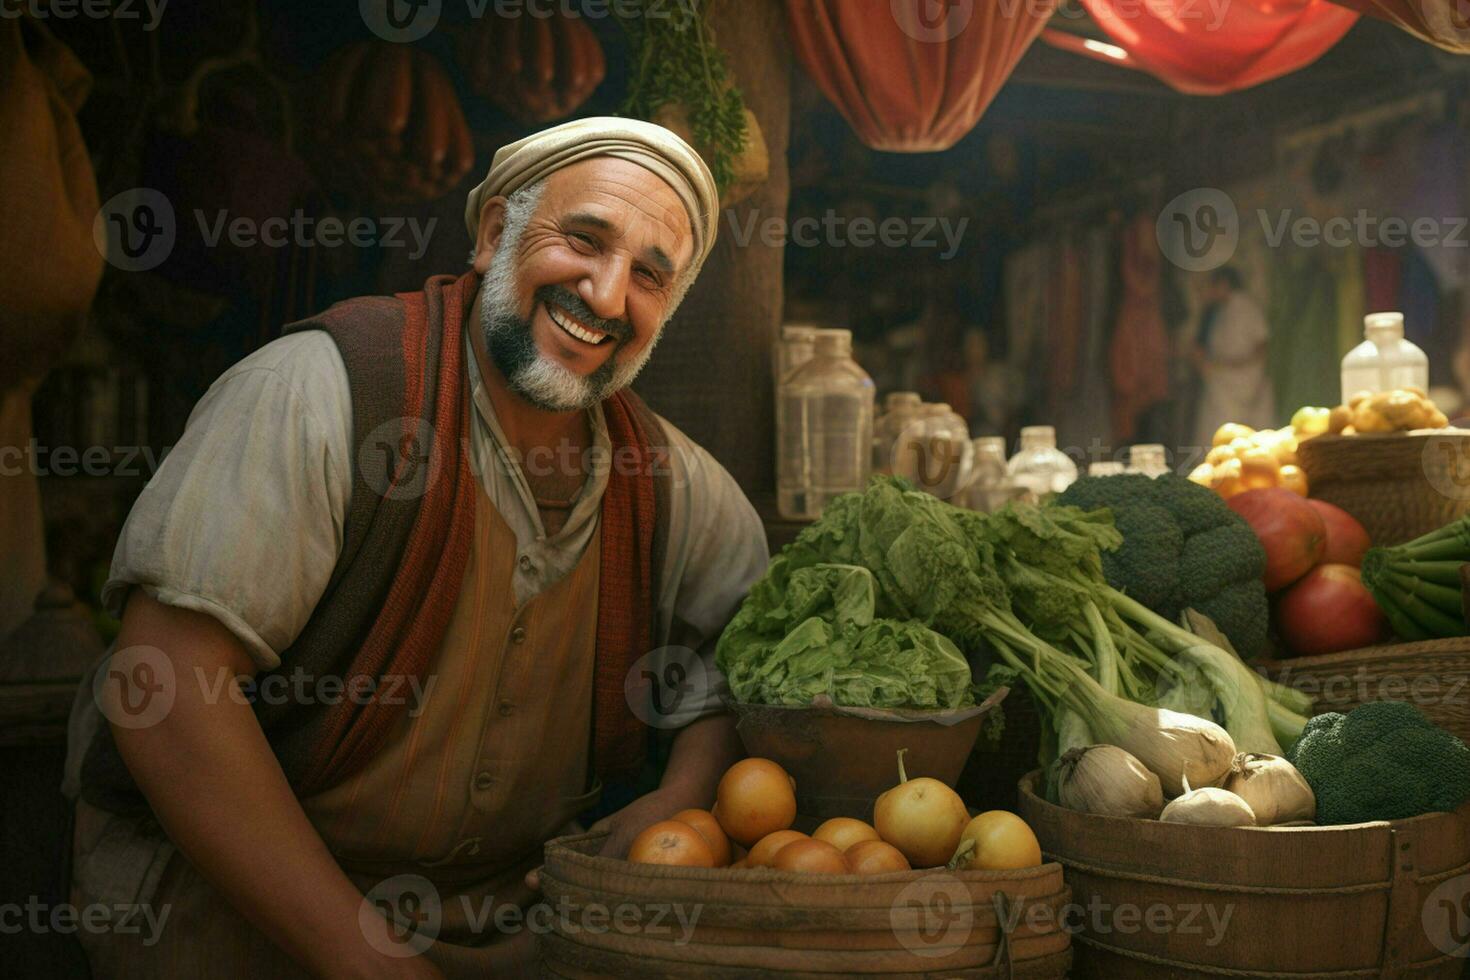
<point>794,345</point>
<point>1149,459</point>
<point>990,485</point>
<point>899,409</point>
<point>1384,360</point>
<point>824,429</point>
<point>937,451</point>
<point>1040,468</point>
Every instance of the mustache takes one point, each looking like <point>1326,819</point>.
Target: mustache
<point>619,330</point>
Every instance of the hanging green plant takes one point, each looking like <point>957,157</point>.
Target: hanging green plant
<point>679,78</point>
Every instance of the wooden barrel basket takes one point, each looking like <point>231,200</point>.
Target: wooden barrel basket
<point>658,922</point>
<point>1172,900</point>
<point>1398,485</point>
<point>1433,675</point>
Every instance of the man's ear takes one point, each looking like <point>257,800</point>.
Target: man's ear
<point>492,224</point>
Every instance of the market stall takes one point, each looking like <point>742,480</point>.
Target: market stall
<point>1038,547</point>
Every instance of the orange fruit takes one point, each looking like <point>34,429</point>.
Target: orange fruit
<point>1227,479</point>
<point>1293,478</point>
<point>843,832</point>
<point>1231,431</point>
<point>875,857</point>
<point>709,828</point>
<point>756,797</point>
<point>810,857</point>
<point>998,840</point>
<point>1259,468</point>
<point>671,842</point>
<point>765,849</point>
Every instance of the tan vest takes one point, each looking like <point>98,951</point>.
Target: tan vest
<point>465,793</point>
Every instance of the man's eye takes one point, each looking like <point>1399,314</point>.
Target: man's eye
<point>650,277</point>
<point>583,238</point>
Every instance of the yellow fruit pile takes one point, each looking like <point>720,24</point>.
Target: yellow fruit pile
<point>1401,410</point>
<point>1243,459</point>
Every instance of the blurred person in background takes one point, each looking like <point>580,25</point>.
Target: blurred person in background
<point>1229,355</point>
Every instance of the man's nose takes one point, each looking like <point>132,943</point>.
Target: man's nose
<point>606,289</point>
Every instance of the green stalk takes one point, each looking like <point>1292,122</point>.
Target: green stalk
<point>1446,600</point>
<point>1286,724</point>
<point>1285,696</point>
<point>1446,573</point>
<point>1443,549</point>
<point>1402,625</point>
<point>1434,622</point>
<point>1107,653</point>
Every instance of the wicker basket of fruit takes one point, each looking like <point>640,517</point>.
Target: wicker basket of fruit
<point>923,890</point>
<point>1390,460</point>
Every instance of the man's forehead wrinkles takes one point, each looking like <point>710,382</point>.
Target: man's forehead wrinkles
<point>609,184</point>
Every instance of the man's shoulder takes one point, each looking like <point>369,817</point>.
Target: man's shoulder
<point>307,361</point>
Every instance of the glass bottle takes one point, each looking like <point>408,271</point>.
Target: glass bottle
<point>1148,459</point>
<point>824,428</point>
<point>990,485</point>
<point>794,347</point>
<point>1040,468</point>
<point>934,451</point>
<point>899,409</point>
<point>1384,360</point>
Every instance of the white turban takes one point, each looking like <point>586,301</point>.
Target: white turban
<point>647,144</point>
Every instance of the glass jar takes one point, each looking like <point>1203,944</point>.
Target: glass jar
<point>899,409</point>
<point>990,485</point>
<point>1040,469</point>
<point>933,451</point>
<point>824,428</point>
<point>794,346</point>
<point>1384,360</point>
<point>1148,459</point>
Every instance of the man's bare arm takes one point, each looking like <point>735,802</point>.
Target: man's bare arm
<point>220,794</point>
<point>701,753</point>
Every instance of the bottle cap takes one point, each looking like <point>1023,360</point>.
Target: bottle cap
<point>833,341</point>
<point>1033,436</point>
<point>1383,323</point>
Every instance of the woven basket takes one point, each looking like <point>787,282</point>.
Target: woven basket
<point>1434,676</point>
<point>613,918</point>
<point>1399,485</point>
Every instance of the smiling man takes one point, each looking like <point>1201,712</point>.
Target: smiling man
<point>447,522</point>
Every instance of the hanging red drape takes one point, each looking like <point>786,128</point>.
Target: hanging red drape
<point>1204,48</point>
<point>1445,23</point>
<point>913,75</point>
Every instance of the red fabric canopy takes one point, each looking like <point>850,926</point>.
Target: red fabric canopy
<point>1210,48</point>
<point>913,75</point>
<point>1445,23</point>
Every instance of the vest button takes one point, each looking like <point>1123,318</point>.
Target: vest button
<point>518,635</point>
<point>484,781</point>
<point>506,707</point>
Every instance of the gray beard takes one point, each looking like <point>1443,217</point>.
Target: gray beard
<point>536,377</point>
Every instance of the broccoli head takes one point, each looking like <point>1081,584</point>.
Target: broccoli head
<point>1183,547</point>
<point>1381,761</point>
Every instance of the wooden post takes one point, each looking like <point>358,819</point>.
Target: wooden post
<point>711,375</point>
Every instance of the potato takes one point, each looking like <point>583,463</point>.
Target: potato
<point>1339,418</point>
